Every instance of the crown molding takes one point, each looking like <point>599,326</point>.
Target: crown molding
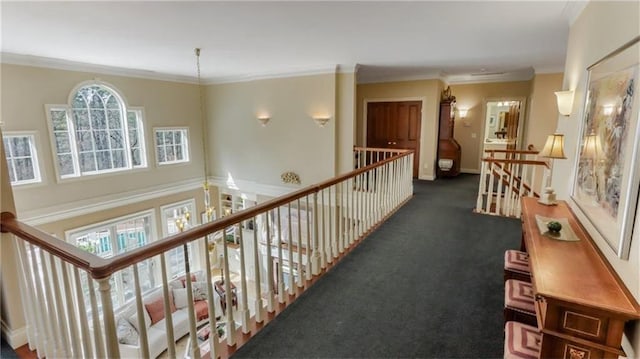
<point>78,208</point>
<point>252,187</point>
<point>59,64</point>
<point>549,70</point>
<point>322,70</point>
<point>520,75</point>
<point>395,78</point>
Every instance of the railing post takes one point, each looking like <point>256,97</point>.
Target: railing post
<point>113,351</point>
<point>269,279</point>
<point>315,262</point>
<point>280,264</point>
<point>300,281</point>
<point>258,289</point>
<point>290,251</point>
<point>244,312</point>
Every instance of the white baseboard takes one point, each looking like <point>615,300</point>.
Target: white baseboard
<point>427,177</point>
<point>470,170</point>
<point>15,338</point>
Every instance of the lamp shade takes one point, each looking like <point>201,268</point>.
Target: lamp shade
<point>565,102</point>
<point>554,147</point>
<point>592,147</point>
<point>462,112</point>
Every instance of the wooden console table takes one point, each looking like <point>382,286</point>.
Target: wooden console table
<point>581,303</point>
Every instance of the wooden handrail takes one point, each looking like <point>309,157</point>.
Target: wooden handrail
<point>380,149</point>
<point>522,162</point>
<point>100,268</point>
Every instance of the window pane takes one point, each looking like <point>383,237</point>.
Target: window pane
<point>119,160</point>
<point>65,162</point>
<point>104,160</point>
<point>159,138</point>
<point>178,137</point>
<point>161,155</point>
<point>98,120</point>
<point>179,153</point>
<point>115,138</point>
<point>115,121</point>
<point>87,162</point>
<point>20,146</point>
<point>112,102</point>
<point>24,169</point>
<point>168,137</point>
<point>81,118</point>
<point>62,143</point>
<point>95,102</point>
<point>136,157</point>
<point>85,142</point>
<point>79,101</point>
<point>170,154</point>
<point>101,140</point>
<point>10,165</point>
<point>59,119</point>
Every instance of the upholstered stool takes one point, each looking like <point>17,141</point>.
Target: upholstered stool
<point>516,265</point>
<point>521,341</point>
<point>519,302</point>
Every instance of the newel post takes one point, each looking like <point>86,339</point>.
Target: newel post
<point>113,351</point>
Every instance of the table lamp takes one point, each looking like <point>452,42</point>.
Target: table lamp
<point>553,148</point>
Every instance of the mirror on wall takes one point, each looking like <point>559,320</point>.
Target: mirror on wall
<point>502,124</point>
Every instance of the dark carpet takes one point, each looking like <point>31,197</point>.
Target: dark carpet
<point>427,284</point>
<point>5,350</point>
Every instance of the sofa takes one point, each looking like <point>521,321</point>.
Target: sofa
<point>153,302</point>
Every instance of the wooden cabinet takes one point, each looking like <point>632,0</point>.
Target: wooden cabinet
<point>581,304</point>
<point>449,150</point>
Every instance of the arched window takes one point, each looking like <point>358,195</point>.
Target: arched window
<point>96,133</point>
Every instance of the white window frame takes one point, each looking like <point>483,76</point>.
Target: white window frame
<point>32,136</point>
<point>71,132</point>
<point>185,144</point>
<point>72,235</point>
<point>166,214</point>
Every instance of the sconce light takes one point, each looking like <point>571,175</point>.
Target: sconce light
<point>321,121</point>
<point>462,112</point>
<point>264,120</point>
<point>607,110</point>
<point>565,102</point>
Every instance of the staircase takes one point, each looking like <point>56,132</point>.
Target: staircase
<point>507,176</point>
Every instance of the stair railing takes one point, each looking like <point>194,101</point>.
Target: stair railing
<point>505,177</point>
<point>67,291</point>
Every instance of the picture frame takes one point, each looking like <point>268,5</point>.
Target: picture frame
<point>607,168</point>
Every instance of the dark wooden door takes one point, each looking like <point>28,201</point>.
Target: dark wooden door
<point>395,125</point>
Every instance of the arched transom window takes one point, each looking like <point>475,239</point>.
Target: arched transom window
<point>96,133</point>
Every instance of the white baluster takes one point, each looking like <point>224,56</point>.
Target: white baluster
<point>231,325</point>
<point>71,315</point>
<point>213,332</point>
<point>99,344</point>
<point>323,238</point>
<point>84,324</point>
<point>269,279</point>
<point>168,324</point>
<point>300,246</point>
<point>244,311</point>
<point>491,166</point>
<point>290,244</point>
<point>56,332</point>
<point>309,269</point>
<point>281,298</point>
<point>32,309</point>
<point>113,351</point>
<point>193,336</point>
<point>256,259</point>
<point>142,327</point>
<point>315,265</point>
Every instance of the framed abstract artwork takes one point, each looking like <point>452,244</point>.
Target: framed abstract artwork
<point>607,170</point>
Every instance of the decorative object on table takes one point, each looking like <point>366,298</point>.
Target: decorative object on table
<point>204,333</point>
<point>290,177</point>
<point>607,172</point>
<point>553,148</point>
<point>565,233</point>
<point>554,226</point>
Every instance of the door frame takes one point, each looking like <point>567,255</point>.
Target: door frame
<point>422,99</point>
<point>521,122</point>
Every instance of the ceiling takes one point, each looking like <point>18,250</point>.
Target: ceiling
<point>458,41</point>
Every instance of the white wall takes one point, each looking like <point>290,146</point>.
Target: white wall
<point>601,28</point>
<point>240,147</point>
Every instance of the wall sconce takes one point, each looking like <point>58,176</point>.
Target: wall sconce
<point>263,120</point>
<point>321,121</point>
<point>565,102</point>
<point>462,112</point>
<point>607,110</point>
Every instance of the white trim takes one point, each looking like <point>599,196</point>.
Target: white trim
<point>185,137</point>
<point>399,78</point>
<point>34,141</point>
<point>323,70</point>
<point>59,64</point>
<point>251,187</point>
<point>520,75</point>
<point>427,177</point>
<point>78,208</point>
<point>470,170</point>
<point>573,9</point>
<point>15,337</point>
<point>113,222</point>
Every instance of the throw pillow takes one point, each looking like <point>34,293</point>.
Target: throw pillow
<point>180,297</point>
<point>199,290</point>
<point>127,334</point>
<point>133,319</point>
<point>202,310</point>
<point>183,279</point>
<point>156,310</point>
